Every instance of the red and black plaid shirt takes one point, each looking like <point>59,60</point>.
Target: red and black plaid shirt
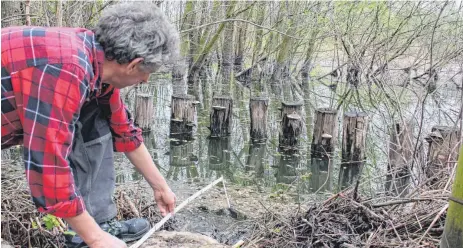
<point>47,75</point>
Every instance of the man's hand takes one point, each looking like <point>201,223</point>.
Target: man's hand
<point>165,199</point>
<point>107,240</point>
<point>143,161</point>
<point>85,226</point>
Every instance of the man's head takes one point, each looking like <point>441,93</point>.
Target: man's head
<point>137,39</point>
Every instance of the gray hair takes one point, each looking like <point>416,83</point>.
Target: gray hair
<point>131,30</point>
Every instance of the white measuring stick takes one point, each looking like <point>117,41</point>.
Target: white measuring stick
<point>167,217</point>
<point>226,195</point>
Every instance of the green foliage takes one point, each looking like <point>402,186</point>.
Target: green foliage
<point>50,221</point>
<point>279,190</point>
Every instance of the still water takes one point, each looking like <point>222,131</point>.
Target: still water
<point>262,165</point>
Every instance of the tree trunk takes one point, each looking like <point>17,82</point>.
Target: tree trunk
<point>59,13</point>
<point>27,12</point>
<point>453,230</point>
<point>281,74</point>
<point>241,32</point>
<point>227,53</point>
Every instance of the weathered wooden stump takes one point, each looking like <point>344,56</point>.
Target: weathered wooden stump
<point>256,159</point>
<point>287,169</point>
<point>183,117</point>
<point>258,107</point>
<point>324,143</point>
<point>442,155</point>
<point>400,157</point>
<point>353,147</point>
<point>219,154</point>
<point>144,111</point>
<point>221,116</point>
<point>291,126</point>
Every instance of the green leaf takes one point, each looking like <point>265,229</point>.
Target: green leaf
<point>70,233</point>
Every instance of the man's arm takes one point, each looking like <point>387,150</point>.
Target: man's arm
<point>142,160</point>
<point>127,138</point>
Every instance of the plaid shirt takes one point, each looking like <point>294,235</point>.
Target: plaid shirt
<point>47,75</point>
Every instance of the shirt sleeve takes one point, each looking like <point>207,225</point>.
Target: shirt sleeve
<point>126,136</point>
<point>52,96</point>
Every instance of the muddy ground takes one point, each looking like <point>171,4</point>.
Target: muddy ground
<point>207,215</point>
<point>210,215</point>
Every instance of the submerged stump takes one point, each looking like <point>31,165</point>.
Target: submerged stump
<point>442,155</point>
<point>287,170</point>
<point>355,127</point>
<point>219,154</point>
<point>221,116</point>
<point>291,126</point>
<point>258,107</point>
<point>183,162</point>
<point>144,111</point>
<point>256,159</point>
<point>183,117</point>
<point>400,157</point>
<point>324,144</point>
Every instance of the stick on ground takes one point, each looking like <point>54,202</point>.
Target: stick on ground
<point>178,208</point>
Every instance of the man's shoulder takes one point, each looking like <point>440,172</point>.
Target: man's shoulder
<point>27,46</point>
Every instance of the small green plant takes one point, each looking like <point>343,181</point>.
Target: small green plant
<point>50,221</point>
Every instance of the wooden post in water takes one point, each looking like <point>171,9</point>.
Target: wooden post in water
<point>324,144</point>
<point>453,229</point>
<point>183,116</point>
<point>221,116</point>
<point>400,157</point>
<point>258,107</point>
<point>291,126</point>
<point>144,111</point>
<point>442,153</point>
<point>355,127</point>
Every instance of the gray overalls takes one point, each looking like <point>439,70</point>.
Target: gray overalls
<point>92,162</point>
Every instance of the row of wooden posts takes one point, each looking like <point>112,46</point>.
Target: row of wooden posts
<point>443,141</point>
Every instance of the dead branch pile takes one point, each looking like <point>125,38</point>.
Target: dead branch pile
<point>346,221</point>
<point>23,226</point>
<point>18,214</point>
